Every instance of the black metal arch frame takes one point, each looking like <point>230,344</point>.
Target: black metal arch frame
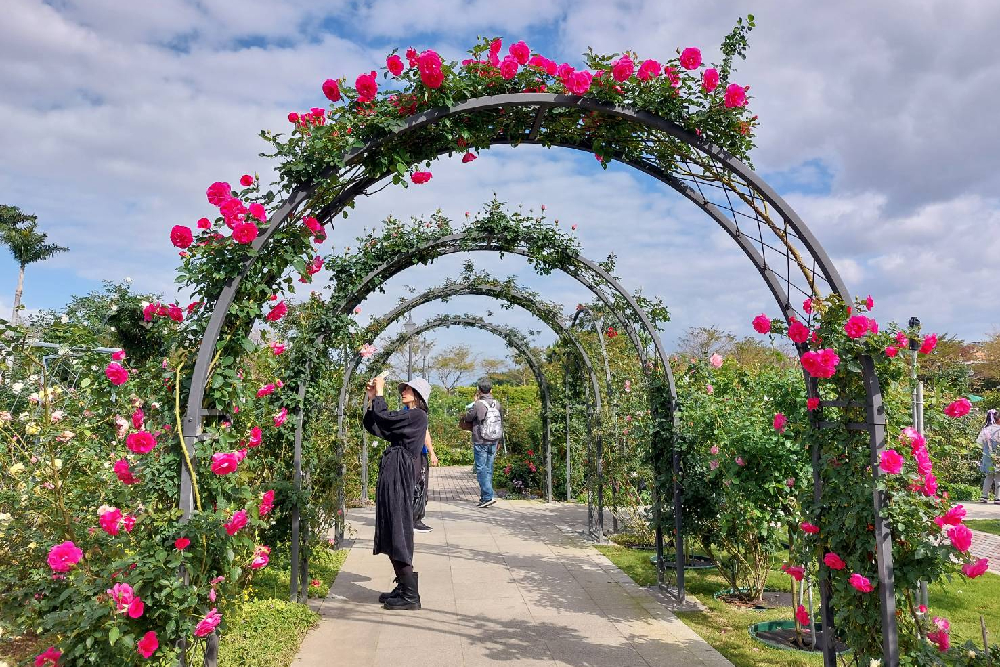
<point>738,200</point>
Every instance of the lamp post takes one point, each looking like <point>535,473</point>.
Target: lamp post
<point>917,408</point>
<point>409,326</point>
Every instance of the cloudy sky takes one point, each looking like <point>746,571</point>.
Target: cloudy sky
<point>878,125</point>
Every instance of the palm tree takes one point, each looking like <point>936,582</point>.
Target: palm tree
<point>18,231</point>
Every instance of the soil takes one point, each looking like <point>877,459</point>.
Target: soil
<point>770,600</point>
<point>786,637</point>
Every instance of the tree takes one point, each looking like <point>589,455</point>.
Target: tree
<point>703,342</point>
<point>421,353</point>
<point>18,231</point>
<point>452,364</point>
<point>492,367</point>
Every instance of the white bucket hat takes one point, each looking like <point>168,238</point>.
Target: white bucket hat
<point>419,385</point>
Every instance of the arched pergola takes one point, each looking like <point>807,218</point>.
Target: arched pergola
<point>776,241</point>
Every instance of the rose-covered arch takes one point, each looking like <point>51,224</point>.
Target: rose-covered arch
<point>689,132</point>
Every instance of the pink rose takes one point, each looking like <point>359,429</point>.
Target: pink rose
<point>891,351</point>
<point>740,462</point>
<point>710,80</point>
<point>856,326</point>
<point>116,374</point>
<point>181,236</point>
<point>147,646</point>
<point>276,313</point>
<point>429,65</point>
<point>820,364</point>
<point>833,561</point>
<point>224,463</point>
<point>930,486</point>
<point>266,503</point>
<point>244,233</point>
<point>796,572</point>
<point>961,537</point>
<point>246,180</point>
<point>779,422</point>
<point>713,464</point>
<point>181,543</point>
<point>736,96</point>
<point>622,69</point>
<point>869,302</point>
<point>235,524</point>
<point>207,625</point>
<point>715,360</point>
<point>111,521</point>
<point>901,339</point>
<point>802,616</point>
<point>313,224</point>
<point>861,583</point>
<point>691,58</point>
<point>973,570</point>
<point>367,351</point>
<point>261,557</point>
<point>258,211</point>
<point>578,83</point>
<point>709,389</point>
<point>714,449</point>
<point>124,474</point>
<point>276,348</point>
<point>256,436</point>
<point>807,306</point>
<point>891,462</point>
<point>141,442</point>
<point>762,324</point>
<point>508,68</point>
<point>649,69</point>
<point>809,528</point>
<point>395,64</point>
<point>367,86</point>
<point>117,355</point>
<point>469,157</point>
<point>218,193</point>
<point>266,390</point>
<point>62,557</point>
<point>958,408</point>
<point>332,91</point>
<point>281,417</point>
<point>952,517</point>
<point>420,177</point>
<point>520,51</point>
<point>798,332</point>
<point>50,655</point>
<point>940,637</point>
<point>136,608</point>
<point>812,403</point>
<point>930,342</point>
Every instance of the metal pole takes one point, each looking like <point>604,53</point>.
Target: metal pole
<point>569,464</point>
<point>297,464</point>
<point>364,458</point>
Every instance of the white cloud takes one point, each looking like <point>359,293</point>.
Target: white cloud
<point>116,119</point>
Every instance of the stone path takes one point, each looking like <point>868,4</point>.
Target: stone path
<point>514,584</point>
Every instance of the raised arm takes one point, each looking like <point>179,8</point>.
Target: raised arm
<point>384,423</point>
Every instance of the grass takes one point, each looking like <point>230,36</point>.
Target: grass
<point>725,627</point>
<point>985,525</point>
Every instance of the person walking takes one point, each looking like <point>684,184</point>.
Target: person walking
<point>485,419</point>
<point>427,459</point>
<point>406,431</point>
<point>989,439</point>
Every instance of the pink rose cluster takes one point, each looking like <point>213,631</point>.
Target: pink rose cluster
<point>235,213</point>
<point>173,311</point>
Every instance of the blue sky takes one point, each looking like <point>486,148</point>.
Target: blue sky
<point>877,125</point>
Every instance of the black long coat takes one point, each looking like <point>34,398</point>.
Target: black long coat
<point>405,431</point>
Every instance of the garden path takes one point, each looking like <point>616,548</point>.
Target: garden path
<point>515,584</point>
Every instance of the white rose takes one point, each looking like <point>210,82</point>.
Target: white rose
<point>4,518</point>
<point>17,387</point>
<point>64,319</point>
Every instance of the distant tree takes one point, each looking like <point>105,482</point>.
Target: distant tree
<point>951,363</point>
<point>452,364</point>
<point>421,354</point>
<point>703,342</point>
<point>986,361</point>
<point>18,231</point>
<point>492,367</point>
<point>755,353</point>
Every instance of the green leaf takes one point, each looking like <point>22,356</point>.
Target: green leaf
<point>113,635</point>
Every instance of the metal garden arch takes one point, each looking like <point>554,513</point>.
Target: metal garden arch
<point>763,225</point>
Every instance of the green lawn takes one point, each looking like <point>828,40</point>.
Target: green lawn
<point>725,627</point>
<point>267,629</point>
<point>985,525</point>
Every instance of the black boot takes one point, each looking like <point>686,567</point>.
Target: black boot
<point>409,595</point>
<point>391,594</point>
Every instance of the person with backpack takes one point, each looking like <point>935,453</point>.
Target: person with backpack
<point>485,419</point>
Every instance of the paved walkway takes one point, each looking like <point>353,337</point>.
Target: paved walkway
<point>514,584</point>
<point>984,545</point>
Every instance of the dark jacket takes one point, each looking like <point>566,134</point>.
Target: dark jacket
<point>476,415</point>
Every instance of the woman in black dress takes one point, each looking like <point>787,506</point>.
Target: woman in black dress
<point>397,474</point>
